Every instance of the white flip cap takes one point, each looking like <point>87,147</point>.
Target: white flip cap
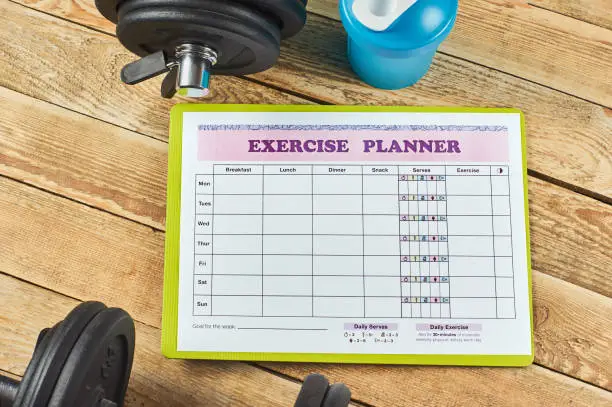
<point>378,15</point>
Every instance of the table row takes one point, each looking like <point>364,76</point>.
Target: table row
<point>357,169</point>
<point>352,286</point>
<point>352,225</point>
<point>346,184</point>
<point>330,307</point>
<point>342,245</point>
<point>393,266</point>
<point>351,205</point>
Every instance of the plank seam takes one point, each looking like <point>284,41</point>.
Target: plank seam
<point>571,187</point>
<point>566,15</point>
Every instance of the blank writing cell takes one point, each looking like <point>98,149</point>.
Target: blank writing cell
<point>468,205</point>
<point>444,290</point>
<point>229,264</point>
<point>337,245</point>
<point>381,265</point>
<point>383,307</point>
<point>238,184</point>
<point>284,244</point>
<point>501,205</point>
<point>473,307</point>
<point>338,307</point>
<point>381,204</point>
<point>505,308</point>
<point>230,305</point>
<point>287,265</point>
<point>288,184</point>
<point>338,225</point>
<point>231,204</point>
<point>503,245</point>
<point>500,185</point>
<point>236,285</point>
<point>458,185</point>
<point>426,310</point>
<point>503,266</point>
<point>504,286</point>
<point>282,285</point>
<point>237,224</point>
<point>501,225</point>
<point>472,286</point>
<point>470,225</point>
<point>470,245</point>
<point>381,225</point>
<point>237,244</point>
<point>380,184</point>
<point>287,224</point>
<point>337,204</point>
<point>471,266</point>
<point>338,265</point>
<point>444,310</point>
<point>382,286</point>
<point>287,307</point>
<point>378,245</point>
<point>287,204</point>
<point>330,286</point>
<point>337,184</point>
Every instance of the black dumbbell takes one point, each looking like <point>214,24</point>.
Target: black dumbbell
<point>84,360</point>
<point>192,38</point>
<point>317,392</point>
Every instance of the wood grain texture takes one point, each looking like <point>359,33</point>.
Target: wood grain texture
<point>155,381</point>
<point>125,173</point>
<point>84,253</point>
<point>568,138</point>
<point>529,42</point>
<point>508,35</point>
<point>598,12</point>
<point>79,69</point>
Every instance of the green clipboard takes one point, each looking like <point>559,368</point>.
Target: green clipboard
<point>170,316</point>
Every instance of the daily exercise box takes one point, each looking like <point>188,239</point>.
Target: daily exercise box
<point>347,234</point>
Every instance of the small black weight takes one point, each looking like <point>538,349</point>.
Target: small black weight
<point>84,360</point>
<point>316,392</point>
<point>246,41</point>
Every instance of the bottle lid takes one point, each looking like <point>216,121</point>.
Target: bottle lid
<point>401,25</point>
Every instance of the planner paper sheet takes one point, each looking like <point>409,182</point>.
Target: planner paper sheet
<point>338,234</point>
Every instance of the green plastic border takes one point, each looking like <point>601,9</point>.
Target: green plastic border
<point>171,266</point>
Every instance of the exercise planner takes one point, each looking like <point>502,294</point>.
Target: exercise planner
<point>347,234</point>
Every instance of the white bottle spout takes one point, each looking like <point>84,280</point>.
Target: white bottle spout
<point>379,15</point>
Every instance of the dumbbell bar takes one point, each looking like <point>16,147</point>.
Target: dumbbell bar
<point>191,39</point>
<point>85,360</point>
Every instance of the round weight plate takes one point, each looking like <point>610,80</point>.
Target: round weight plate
<point>50,355</point>
<point>246,41</point>
<point>290,14</point>
<point>100,363</point>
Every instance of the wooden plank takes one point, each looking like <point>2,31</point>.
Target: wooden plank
<point>79,69</point>
<point>125,173</point>
<point>84,253</point>
<point>155,381</point>
<point>568,138</point>
<point>528,42</point>
<point>598,12</point>
<point>507,35</point>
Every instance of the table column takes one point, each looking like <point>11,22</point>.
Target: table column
<point>287,244</point>
<point>502,238</point>
<point>381,242</point>
<point>338,241</point>
<point>237,240</point>
<point>470,242</point>
<point>202,261</point>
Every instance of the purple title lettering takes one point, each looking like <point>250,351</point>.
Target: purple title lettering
<point>342,146</point>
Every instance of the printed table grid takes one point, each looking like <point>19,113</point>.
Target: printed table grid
<point>238,252</point>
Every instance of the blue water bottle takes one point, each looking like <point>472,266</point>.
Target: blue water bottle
<point>391,43</point>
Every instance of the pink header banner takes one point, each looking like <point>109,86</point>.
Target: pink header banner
<point>452,144</point>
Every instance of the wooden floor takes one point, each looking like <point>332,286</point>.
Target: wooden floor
<point>82,192</point>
